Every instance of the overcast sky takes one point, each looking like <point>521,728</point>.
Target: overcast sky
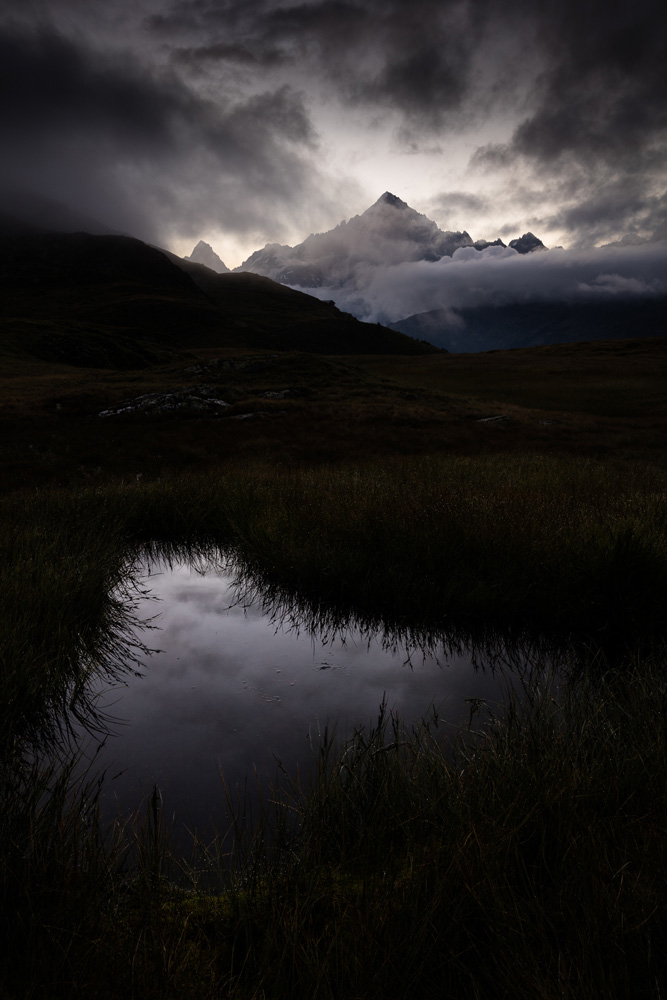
<point>245,122</point>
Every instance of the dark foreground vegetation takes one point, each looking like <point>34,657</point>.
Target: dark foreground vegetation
<point>522,494</point>
<point>526,861</point>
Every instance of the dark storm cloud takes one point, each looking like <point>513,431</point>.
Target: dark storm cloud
<point>49,85</point>
<point>597,117</point>
<point>202,108</point>
<point>459,201</point>
<point>585,78</point>
<point>139,148</point>
<point>421,84</point>
<point>327,29</point>
<point>589,76</point>
<point>222,52</point>
<point>198,18</point>
<point>414,61</point>
<point>606,89</point>
<point>591,215</point>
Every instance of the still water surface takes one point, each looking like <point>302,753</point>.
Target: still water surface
<point>237,684</point>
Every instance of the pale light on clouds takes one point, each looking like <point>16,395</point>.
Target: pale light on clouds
<point>237,123</point>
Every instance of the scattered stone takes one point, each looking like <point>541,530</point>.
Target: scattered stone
<point>284,393</point>
<point>242,363</point>
<point>261,414</point>
<point>500,419</point>
<point>189,399</point>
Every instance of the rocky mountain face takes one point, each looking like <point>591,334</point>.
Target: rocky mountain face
<point>525,244</point>
<point>204,254</point>
<point>348,264</point>
<point>389,232</point>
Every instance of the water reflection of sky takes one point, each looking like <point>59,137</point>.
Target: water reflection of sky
<point>231,690</point>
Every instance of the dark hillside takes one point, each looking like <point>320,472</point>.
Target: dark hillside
<point>114,302</point>
<point>99,301</point>
<point>276,316</point>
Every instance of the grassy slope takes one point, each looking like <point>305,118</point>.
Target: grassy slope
<point>620,379</point>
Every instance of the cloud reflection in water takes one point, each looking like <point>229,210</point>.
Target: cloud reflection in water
<point>232,688</point>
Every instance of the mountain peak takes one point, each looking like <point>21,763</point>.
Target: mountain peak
<point>528,243</point>
<point>390,199</point>
<point>204,254</point>
<point>389,232</point>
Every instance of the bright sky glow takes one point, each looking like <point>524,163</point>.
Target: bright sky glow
<point>240,124</point>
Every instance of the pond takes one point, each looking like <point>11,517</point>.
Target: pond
<point>239,680</point>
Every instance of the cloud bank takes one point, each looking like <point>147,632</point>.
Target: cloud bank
<point>499,276</point>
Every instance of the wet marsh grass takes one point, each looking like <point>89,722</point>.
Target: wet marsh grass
<point>528,860</point>
<point>551,544</point>
<point>497,543</point>
<point>525,859</point>
<point>504,540</point>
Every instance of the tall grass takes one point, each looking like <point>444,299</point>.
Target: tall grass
<point>559,544</point>
<point>68,601</point>
<point>526,859</point>
<point>464,545</point>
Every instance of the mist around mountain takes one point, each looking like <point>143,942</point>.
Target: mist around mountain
<point>635,240</point>
<point>389,232</point>
<point>344,259</point>
<point>395,266</point>
<point>23,211</point>
<point>390,266</point>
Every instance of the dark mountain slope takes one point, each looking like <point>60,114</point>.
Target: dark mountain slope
<point>274,316</point>
<point>100,301</point>
<point>113,301</point>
